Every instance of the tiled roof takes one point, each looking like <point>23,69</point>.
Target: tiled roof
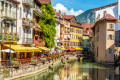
<point>44,1</point>
<point>68,16</point>
<point>88,26</point>
<point>108,17</point>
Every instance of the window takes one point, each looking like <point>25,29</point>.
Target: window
<point>98,29</point>
<point>12,28</point>
<point>36,38</point>
<point>20,13</point>
<point>110,51</point>
<point>2,5</point>
<point>1,27</point>
<point>10,8</point>
<point>97,51</point>
<point>111,27</point>
<point>110,37</point>
<point>19,31</point>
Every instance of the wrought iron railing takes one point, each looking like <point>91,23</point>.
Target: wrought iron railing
<point>37,8</point>
<point>28,2</point>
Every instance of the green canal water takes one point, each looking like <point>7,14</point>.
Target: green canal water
<point>78,71</point>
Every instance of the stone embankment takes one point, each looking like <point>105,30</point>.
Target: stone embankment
<point>39,68</point>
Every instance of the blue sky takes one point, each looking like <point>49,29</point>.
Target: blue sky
<point>82,4</point>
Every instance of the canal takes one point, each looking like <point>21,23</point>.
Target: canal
<point>78,71</point>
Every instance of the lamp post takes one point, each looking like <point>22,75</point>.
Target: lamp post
<point>10,40</point>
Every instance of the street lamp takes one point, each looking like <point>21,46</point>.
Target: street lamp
<point>10,40</point>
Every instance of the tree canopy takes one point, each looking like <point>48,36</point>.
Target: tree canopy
<point>48,24</point>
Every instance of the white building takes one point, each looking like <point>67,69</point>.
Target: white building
<point>112,9</point>
<point>57,37</point>
<point>24,21</point>
<point>8,18</point>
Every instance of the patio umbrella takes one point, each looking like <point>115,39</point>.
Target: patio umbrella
<point>7,50</point>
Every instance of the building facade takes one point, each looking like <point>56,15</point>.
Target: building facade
<point>104,36</point>
<point>19,29</point>
<point>87,34</point>
<point>76,32</point>
<point>64,30</point>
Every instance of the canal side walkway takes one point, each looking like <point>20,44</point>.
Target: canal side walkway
<point>29,70</point>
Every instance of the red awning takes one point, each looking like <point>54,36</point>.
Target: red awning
<point>70,48</point>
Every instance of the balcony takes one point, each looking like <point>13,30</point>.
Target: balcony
<point>28,3</point>
<point>27,23</point>
<point>27,41</point>
<point>37,26</point>
<point>15,1</point>
<point>8,15</point>
<point>37,10</point>
<point>4,37</point>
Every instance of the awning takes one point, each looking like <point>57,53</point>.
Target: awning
<point>77,48</point>
<point>70,48</point>
<point>32,49</point>
<point>7,51</point>
<point>18,48</point>
<point>63,48</point>
<point>43,48</point>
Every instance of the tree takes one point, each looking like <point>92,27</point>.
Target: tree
<point>47,22</point>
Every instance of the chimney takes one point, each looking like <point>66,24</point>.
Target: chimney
<point>105,13</point>
<point>59,12</point>
<point>64,14</point>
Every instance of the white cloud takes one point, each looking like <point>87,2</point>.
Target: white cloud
<point>64,9</point>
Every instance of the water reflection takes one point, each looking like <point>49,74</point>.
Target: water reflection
<point>79,71</point>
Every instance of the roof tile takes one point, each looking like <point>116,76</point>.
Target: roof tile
<point>44,1</point>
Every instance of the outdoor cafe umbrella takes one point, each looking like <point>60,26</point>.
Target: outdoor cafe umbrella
<point>7,51</point>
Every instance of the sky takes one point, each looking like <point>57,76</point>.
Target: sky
<point>76,7</point>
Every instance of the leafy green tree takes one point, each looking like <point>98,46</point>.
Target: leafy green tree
<point>48,24</point>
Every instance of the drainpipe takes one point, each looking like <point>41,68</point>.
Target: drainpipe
<point>105,47</point>
<point>16,19</point>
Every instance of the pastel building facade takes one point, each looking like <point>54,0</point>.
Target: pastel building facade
<point>104,39</point>
<point>24,21</point>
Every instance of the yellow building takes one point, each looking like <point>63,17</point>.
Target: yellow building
<point>76,34</point>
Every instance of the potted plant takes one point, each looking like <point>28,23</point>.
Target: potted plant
<point>23,18</point>
<point>32,21</point>
<point>49,58</point>
<point>33,61</point>
<point>43,59</point>
<point>53,56</point>
<point>15,63</point>
<point>18,38</point>
<point>28,19</point>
